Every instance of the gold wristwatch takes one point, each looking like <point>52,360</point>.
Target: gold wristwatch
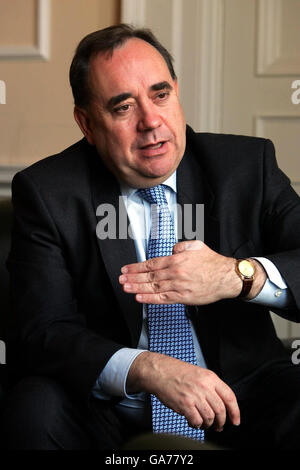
<point>246,271</point>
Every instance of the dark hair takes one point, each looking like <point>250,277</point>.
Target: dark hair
<point>106,40</point>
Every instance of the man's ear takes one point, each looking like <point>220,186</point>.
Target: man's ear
<point>83,120</point>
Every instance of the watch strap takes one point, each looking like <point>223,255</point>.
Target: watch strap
<point>247,284</point>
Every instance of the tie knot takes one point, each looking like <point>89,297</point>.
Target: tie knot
<point>154,195</point>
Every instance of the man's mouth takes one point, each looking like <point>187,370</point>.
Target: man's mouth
<point>154,146</point>
<point>157,146</point>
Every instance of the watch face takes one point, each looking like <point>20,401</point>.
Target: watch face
<point>246,268</point>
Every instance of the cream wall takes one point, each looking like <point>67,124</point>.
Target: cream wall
<point>37,118</point>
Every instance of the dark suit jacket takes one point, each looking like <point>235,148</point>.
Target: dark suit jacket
<point>70,313</point>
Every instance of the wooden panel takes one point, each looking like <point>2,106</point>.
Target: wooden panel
<point>283,130</point>
<point>18,22</point>
<point>278,37</point>
<point>24,31</point>
<point>37,119</point>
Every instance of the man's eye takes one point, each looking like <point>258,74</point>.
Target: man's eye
<point>122,109</point>
<point>163,95</point>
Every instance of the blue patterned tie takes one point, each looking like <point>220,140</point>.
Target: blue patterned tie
<point>169,329</point>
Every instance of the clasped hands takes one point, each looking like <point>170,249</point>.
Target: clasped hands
<point>193,275</point>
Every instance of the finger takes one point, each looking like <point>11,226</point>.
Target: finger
<point>207,414</point>
<point>230,402</point>
<point>219,409</point>
<point>152,264</point>
<point>171,297</point>
<point>193,418</point>
<point>155,287</point>
<point>187,245</point>
<point>151,276</point>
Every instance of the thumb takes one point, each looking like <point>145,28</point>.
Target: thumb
<point>189,245</point>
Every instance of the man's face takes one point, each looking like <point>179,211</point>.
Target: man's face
<point>135,119</point>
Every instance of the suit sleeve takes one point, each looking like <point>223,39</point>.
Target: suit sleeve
<point>281,228</point>
<point>49,334</point>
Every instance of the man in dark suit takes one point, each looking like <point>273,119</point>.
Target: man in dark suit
<point>80,336</point>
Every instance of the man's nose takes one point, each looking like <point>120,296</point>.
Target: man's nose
<point>149,118</point>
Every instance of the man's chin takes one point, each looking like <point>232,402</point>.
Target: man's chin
<point>158,171</point>
<point>147,180</point>
<point>151,173</point>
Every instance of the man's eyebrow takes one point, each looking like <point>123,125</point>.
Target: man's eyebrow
<point>114,100</point>
<point>161,86</point>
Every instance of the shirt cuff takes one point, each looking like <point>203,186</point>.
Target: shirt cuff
<point>275,292</point>
<point>112,380</point>
<point>272,272</point>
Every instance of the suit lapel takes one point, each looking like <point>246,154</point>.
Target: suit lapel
<point>193,188</point>
<point>118,251</point>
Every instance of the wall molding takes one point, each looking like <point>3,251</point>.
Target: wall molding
<point>2,92</point>
<point>176,34</point>
<point>41,49</point>
<point>258,128</point>
<point>209,66</point>
<point>269,38</point>
<point>270,58</point>
<point>261,117</point>
<point>133,12</point>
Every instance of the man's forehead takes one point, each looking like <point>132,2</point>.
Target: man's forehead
<point>132,48</point>
<point>133,53</point>
<point>133,62</point>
